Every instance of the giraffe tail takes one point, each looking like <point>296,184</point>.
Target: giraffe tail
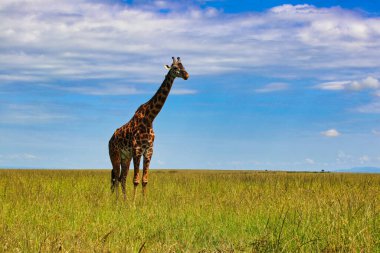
<point>113,180</point>
<point>110,149</point>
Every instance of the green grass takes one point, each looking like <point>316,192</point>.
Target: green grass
<point>190,211</point>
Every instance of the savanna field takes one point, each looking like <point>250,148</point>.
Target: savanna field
<point>190,211</point>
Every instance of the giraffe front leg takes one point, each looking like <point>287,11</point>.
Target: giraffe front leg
<point>147,157</point>
<point>136,164</point>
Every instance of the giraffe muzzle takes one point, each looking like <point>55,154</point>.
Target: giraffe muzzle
<point>185,76</point>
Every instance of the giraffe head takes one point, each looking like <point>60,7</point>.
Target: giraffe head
<point>177,69</point>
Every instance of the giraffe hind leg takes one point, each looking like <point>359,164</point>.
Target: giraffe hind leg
<point>115,173</point>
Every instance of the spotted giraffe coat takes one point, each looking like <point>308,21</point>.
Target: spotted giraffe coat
<point>135,138</point>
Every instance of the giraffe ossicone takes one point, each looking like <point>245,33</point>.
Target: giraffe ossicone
<point>135,139</point>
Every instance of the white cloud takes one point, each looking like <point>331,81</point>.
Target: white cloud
<point>160,162</point>
<point>351,160</point>
<point>366,83</point>
<point>309,161</point>
<point>336,85</point>
<point>377,93</point>
<point>21,78</point>
<point>343,158</point>
<point>364,159</point>
<point>373,107</point>
<point>331,133</point>
<point>21,156</point>
<point>273,87</point>
<point>342,154</point>
<point>178,91</point>
<point>93,40</point>
<point>294,9</point>
<point>375,132</point>
<point>30,114</point>
<point>10,159</point>
<point>104,89</point>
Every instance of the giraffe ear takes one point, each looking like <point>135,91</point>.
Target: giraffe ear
<point>167,67</point>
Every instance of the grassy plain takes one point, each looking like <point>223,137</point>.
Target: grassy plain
<point>190,211</point>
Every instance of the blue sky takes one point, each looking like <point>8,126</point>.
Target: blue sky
<point>289,85</point>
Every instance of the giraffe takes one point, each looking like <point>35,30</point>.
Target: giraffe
<point>135,138</point>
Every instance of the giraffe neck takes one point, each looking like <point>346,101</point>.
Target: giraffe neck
<point>155,104</point>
